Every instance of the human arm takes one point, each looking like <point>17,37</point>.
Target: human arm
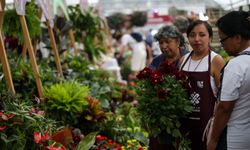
<point>229,94</point>
<point>217,65</point>
<point>222,114</point>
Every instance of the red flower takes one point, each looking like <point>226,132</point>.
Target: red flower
<point>180,75</point>
<point>100,138</point>
<point>145,73</point>
<point>162,93</point>
<point>140,148</point>
<point>10,115</point>
<point>2,128</point>
<point>156,77</point>
<point>37,137</point>
<point>55,148</point>
<point>4,117</point>
<point>167,67</point>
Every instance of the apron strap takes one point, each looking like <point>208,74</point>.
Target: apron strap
<point>186,60</point>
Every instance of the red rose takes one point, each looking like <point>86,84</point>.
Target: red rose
<point>156,77</point>
<point>167,67</point>
<point>145,73</point>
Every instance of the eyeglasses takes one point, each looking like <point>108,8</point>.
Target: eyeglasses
<point>224,39</point>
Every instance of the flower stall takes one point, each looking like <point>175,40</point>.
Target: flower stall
<point>58,97</point>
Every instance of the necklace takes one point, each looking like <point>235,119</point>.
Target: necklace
<point>196,65</point>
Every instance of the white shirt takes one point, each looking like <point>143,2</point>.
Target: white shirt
<point>236,87</point>
<point>200,66</point>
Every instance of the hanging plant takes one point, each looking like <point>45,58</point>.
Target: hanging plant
<point>88,31</point>
<point>12,26</point>
<point>139,18</point>
<point>115,21</point>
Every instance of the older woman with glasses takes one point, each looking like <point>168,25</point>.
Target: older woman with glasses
<point>231,127</point>
<point>202,66</point>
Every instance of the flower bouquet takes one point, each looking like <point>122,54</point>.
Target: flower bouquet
<point>162,101</point>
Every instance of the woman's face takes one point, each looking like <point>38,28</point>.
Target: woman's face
<point>169,47</point>
<point>199,38</point>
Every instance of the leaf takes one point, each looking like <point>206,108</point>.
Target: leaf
<point>4,138</point>
<point>64,136</point>
<point>87,142</point>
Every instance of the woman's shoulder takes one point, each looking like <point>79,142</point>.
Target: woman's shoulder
<point>216,57</point>
<point>156,61</point>
<point>213,54</point>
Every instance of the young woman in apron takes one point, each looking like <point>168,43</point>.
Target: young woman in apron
<point>202,67</point>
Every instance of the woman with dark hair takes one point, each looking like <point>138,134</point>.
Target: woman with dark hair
<point>231,126</point>
<point>172,45</point>
<point>202,67</point>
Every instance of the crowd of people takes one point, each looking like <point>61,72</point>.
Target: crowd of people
<point>219,89</point>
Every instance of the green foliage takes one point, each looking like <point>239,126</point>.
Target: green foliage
<point>97,79</point>
<point>23,75</point>
<point>125,125</point>
<point>23,120</point>
<point>162,114</point>
<point>88,31</point>
<point>64,101</point>
<point>12,25</point>
<point>115,21</point>
<point>162,101</point>
<point>87,142</point>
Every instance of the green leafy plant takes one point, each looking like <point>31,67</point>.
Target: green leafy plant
<point>88,31</point>
<point>18,121</point>
<point>162,101</point>
<point>115,21</point>
<point>65,101</point>
<point>139,18</point>
<point>87,142</point>
<point>23,76</point>
<point>12,25</point>
<point>125,125</point>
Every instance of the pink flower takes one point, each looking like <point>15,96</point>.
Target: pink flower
<point>4,117</point>
<point>37,137</point>
<point>55,148</point>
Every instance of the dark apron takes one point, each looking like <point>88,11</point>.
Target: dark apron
<point>203,101</point>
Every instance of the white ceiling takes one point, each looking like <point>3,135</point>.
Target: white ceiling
<point>226,4</point>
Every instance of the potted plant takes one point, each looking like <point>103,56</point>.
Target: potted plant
<point>162,102</point>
